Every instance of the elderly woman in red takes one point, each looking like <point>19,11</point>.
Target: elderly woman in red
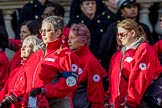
<point>13,88</point>
<point>90,92</point>
<point>132,68</point>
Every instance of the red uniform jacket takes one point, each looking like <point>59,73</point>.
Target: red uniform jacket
<point>4,62</point>
<point>42,69</point>
<point>91,76</point>
<point>16,78</point>
<point>131,71</point>
<point>15,61</point>
<point>158,47</point>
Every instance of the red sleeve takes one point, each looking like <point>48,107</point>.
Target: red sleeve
<point>61,88</point>
<point>14,44</point>
<point>3,92</point>
<point>95,88</point>
<point>158,47</point>
<point>4,62</point>
<point>142,74</point>
<point>15,61</point>
<point>114,58</point>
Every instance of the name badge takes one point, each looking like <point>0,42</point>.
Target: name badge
<point>32,102</point>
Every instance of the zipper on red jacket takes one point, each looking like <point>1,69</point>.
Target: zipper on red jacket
<point>119,77</point>
<point>44,54</point>
<point>35,73</point>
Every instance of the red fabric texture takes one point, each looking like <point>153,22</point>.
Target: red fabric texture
<point>158,47</point>
<point>16,76</point>
<point>92,75</point>
<point>15,61</point>
<point>4,62</point>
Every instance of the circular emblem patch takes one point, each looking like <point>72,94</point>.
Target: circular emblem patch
<point>70,81</point>
<point>96,78</point>
<point>74,67</point>
<point>80,71</point>
<point>142,66</point>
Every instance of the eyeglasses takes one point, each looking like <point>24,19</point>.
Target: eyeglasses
<point>123,34</point>
<point>45,31</point>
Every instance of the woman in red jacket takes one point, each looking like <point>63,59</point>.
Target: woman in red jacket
<point>132,68</point>
<point>14,87</point>
<point>90,92</point>
<point>53,71</point>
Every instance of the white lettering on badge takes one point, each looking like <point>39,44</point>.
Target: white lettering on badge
<point>50,59</point>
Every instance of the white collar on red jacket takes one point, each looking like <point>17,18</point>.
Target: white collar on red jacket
<point>134,45</point>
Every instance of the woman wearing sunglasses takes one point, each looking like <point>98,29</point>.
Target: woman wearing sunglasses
<point>132,68</point>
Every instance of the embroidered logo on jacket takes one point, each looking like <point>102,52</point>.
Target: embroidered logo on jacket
<point>142,66</point>
<point>50,59</point>
<point>96,78</point>
<point>80,71</point>
<point>70,81</point>
<point>128,59</point>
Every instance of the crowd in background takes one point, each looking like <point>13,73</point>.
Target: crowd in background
<point>102,58</point>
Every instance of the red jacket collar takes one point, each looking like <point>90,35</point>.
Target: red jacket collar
<point>55,44</point>
<point>81,51</point>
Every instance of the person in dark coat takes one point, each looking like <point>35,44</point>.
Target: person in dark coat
<point>111,13</point>
<point>92,21</point>
<point>33,10</point>
<point>108,46</point>
<point>74,10</point>
<point>53,9</point>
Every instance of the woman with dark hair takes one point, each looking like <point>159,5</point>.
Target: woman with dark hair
<point>30,27</point>
<point>4,62</point>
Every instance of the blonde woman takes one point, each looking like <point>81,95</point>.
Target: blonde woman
<point>132,68</point>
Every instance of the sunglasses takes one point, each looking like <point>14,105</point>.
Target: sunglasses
<point>123,34</point>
